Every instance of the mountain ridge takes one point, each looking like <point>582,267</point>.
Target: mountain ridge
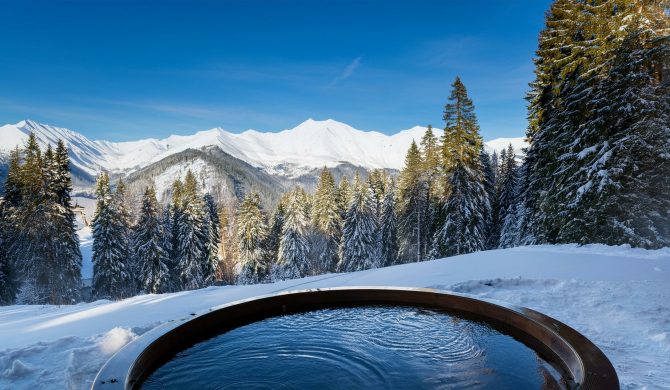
<point>287,153</point>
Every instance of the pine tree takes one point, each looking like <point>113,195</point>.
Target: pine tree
<point>9,284</point>
<point>461,142</point>
<point>359,249</point>
<point>33,219</point>
<point>167,243</point>
<point>464,227</point>
<point>110,274</point>
<point>467,210</point>
<point>41,248</point>
<point>293,248</point>
<point>327,222</point>
<point>507,202</point>
<point>431,171</point>
<point>67,250</point>
<point>190,236</point>
<point>252,232</point>
<point>148,244</point>
<point>344,196</point>
<point>490,231</point>
<point>578,113</point>
<point>124,221</point>
<point>377,183</point>
<point>412,205</point>
<point>211,224</point>
<point>388,226</point>
<point>275,230</point>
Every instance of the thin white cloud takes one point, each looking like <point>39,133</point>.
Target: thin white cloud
<point>348,71</point>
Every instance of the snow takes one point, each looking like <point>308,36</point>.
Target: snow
<point>312,144</point>
<point>619,297</point>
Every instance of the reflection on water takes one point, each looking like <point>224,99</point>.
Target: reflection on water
<point>351,348</point>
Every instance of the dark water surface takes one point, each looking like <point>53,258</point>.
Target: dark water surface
<point>357,348</point>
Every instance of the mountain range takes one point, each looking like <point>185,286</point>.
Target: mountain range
<point>268,159</point>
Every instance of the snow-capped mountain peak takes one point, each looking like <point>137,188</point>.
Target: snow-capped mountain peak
<point>311,144</point>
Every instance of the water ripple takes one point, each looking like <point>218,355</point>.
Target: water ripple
<point>370,347</point>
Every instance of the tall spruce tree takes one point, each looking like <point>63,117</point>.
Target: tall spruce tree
<point>275,229</point>
<point>252,231</point>
<point>412,206</point>
<point>327,222</point>
<point>466,212</point>
<point>431,167</point>
<point>211,235</point>
<point>507,201</point>
<point>121,202</point>
<point>8,288</point>
<point>66,249</point>
<point>38,239</point>
<point>110,275</point>
<point>388,228</point>
<point>148,245</point>
<point>588,78</point>
<point>359,249</point>
<point>344,196</point>
<point>490,231</point>
<point>292,259</point>
<point>190,236</point>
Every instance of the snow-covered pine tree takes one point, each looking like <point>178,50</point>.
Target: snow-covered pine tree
<point>327,223</point>
<point>495,167</point>
<point>190,235</point>
<point>571,122</point>
<point>148,246</point>
<point>124,219</point>
<point>67,252</point>
<point>620,189</point>
<point>275,229</point>
<point>431,168</point>
<point>211,224</point>
<point>490,232</point>
<point>344,196</point>
<point>38,231</point>
<point>167,242</point>
<point>359,249</point>
<point>292,259</point>
<point>109,247</point>
<point>29,245</point>
<point>174,211</point>
<point>412,206</point>
<point>467,209</point>
<point>388,228</point>
<point>507,202</point>
<point>464,227</point>
<point>377,180</point>
<point>9,285</point>
<point>252,231</point>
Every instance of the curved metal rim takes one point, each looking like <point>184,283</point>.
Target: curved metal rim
<point>584,364</point>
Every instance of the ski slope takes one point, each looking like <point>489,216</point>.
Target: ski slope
<point>617,296</point>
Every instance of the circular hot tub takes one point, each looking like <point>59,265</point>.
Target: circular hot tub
<point>371,337</point>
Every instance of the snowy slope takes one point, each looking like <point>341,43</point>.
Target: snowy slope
<point>312,144</point>
<point>617,296</point>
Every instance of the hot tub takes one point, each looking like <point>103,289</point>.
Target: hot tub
<point>361,337</point>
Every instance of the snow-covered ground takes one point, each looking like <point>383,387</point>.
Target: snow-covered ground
<point>617,296</point>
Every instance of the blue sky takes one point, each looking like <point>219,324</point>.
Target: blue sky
<point>123,70</point>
